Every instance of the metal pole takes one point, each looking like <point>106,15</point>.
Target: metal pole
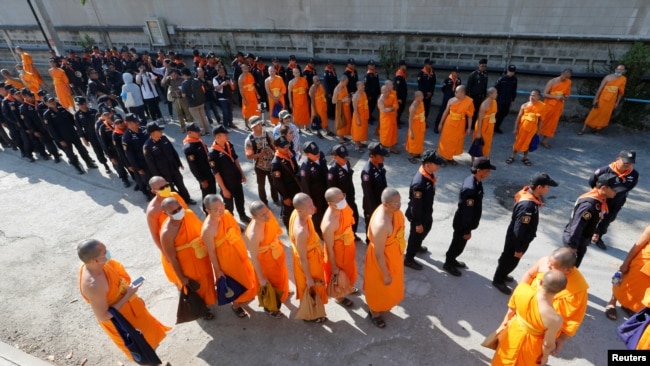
<point>40,26</point>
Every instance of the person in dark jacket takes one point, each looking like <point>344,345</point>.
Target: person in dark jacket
<point>468,214</point>
<point>427,85</point>
<point>340,176</point>
<point>313,175</point>
<point>373,88</point>
<point>506,88</point>
<point>85,119</point>
<point>284,172</point>
<point>105,126</point>
<point>196,153</point>
<point>132,141</point>
<point>448,91</point>
<point>477,85</point>
<point>32,122</point>
<point>373,180</point>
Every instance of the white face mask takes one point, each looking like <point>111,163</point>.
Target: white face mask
<point>341,204</point>
<point>108,255</point>
<point>178,215</point>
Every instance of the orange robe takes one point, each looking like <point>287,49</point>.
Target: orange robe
<point>452,137</point>
<point>631,291</point>
<point>415,145</point>
<point>388,121</point>
<point>360,133</point>
<point>554,108</point>
<point>570,303</point>
<point>14,83</point>
<point>249,109</point>
<point>272,258</point>
<point>193,257</point>
<point>315,257</point>
<point>521,342</point>
<point>62,87</point>
<point>528,125</point>
<point>343,111</point>
<point>644,341</point>
<point>487,128</point>
<point>345,252</point>
<point>320,106</point>
<point>379,296</point>
<point>32,83</point>
<point>133,310</point>
<point>162,217</point>
<point>233,256</point>
<point>278,89</point>
<point>300,102</point>
<point>28,65</point>
<point>599,117</point>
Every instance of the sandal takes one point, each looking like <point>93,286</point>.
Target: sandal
<point>510,160</point>
<point>355,291</point>
<point>526,162</point>
<point>580,133</point>
<point>275,314</point>
<point>208,316</point>
<point>394,151</point>
<point>240,312</point>
<point>546,145</point>
<point>378,321</point>
<point>317,320</point>
<point>413,160</point>
<point>346,303</point>
<point>453,162</point>
<point>610,312</point>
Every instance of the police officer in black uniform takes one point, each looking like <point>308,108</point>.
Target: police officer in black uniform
<point>228,172</point>
<point>133,140</point>
<point>284,171</point>
<point>30,143</point>
<point>477,86</point>
<point>340,176</point>
<point>373,180</point>
<point>420,209</point>
<point>196,154</point>
<point>587,213</point>
<point>468,214</point>
<point>41,138</point>
<point>85,119</point>
<point>163,160</point>
<point>60,123</point>
<point>427,85</point>
<point>313,174</point>
<point>9,117</point>
<point>623,167</point>
<point>104,129</point>
<point>373,89</point>
<point>401,89</point>
<point>4,137</point>
<point>330,81</point>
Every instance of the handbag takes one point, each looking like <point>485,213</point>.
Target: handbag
<point>141,351</point>
<point>534,143</point>
<point>269,297</point>
<point>631,331</point>
<point>476,150</point>
<point>311,306</point>
<point>190,304</point>
<point>277,108</point>
<point>228,290</point>
<point>339,286</point>
<point>316,123</point>
<point>491,341</point>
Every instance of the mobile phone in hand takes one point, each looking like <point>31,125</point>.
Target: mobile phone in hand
<point>138,281</point>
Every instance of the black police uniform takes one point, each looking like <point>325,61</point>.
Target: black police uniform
<point>11,116</point>
<point>314,183</point>
<point>85,122</point>
<point>521,232</point>
<point>60,124</point>
<point>477,89</point>
<point>32,123</point>
<point>285,180</point>
<point>330,80</point>
<point>223,162</point>
<point>163,160</point>
<point>506,88</point>
<point>373,183</point>
<point>4,137</point>
<point>132,144</point>
<point>115,154</point>
<point>401,89</point>
<point>467,217</point>
<point>353,77</point>
<point>426,84</point>
<point>448,91</point>
<point>196,154</point>
<point>614,205</point>
<point>373,89</point>
<point>582,226</point>
<point>422,192</point>
<point>341,178</point>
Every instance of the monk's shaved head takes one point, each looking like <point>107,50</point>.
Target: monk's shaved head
<point>156,181</point>
<point>491,90</point>
<point>343,78</point>
<point>169,204</point>
<point>565,258</point>
<point>388,194</point>
<point>211,199</point>
<point>333,194</point>
<point>554,281</point>
<point>300,200</point>
<point>388,82</point>
<point>89,249</point>
<point>418,94</point>
<point>257,207</point>
<point>460,88</point>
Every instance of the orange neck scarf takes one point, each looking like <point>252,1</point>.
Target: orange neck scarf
<point>351,70</point>
<point>429,72</point>
<point>621,174</point>
<point>526,195</point>
<point>401,73</point>
<point>108,125</point>
<point>424,173</point>
<point>188,139</point>
<point>594,194</point>
<point>221,149</point>
<point>118,130</point>
<point>287,157</point>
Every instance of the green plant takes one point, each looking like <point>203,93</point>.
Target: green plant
<point>87,42</point>
<point>637,62</point>
<point>389,56</point>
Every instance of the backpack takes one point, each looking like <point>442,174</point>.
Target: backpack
<point>254,143</point>
<point>197,97</point>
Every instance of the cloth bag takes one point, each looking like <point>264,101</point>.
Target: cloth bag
<point>316,122</point>
<point>228,290</point>
<point>534,143</point>
<point>190,304</point>
<point>269,297</point>
<point>277,108</point>
<point>339,286</point>
<point>134,341</point>
<point>311,306</point>
<point>476,150</point>
<point>631,331</point>
<point>491,341</point>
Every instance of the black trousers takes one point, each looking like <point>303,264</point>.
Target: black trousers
<point>582,250</point>
<point>609,217</point>
<point>47,141</point>
<point>416,239</point>
<point>400,111</point>
<point>262,177</point>
<point>27,147</point>
<point>355,212</point>
<point>507,261</point>
<point>153,108</point>
<point>285,213</point>
<point>236,199</point>
<point>4,137</point>
<point>97,148</point>
<point>210,189</point>
<point>502,113</point>
<point>427,107</point>
<point>175,179</point>
<point>440,112</point>
<point>456,247</point>
<point>372,105</point>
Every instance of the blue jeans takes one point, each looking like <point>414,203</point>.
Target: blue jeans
<point>211,105</point>
<point>226,111</point>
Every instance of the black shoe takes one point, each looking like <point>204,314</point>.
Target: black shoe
<point>45,157</point>
<point>600,244</point>
<point>422,250</point>
<point>510,279</point>
<point>126,183</point>
<point>458,264</point>
<point>191,201</point>
<point>411,263</point>
<point>80,170</point>
<point>245,219</point>
<point>451,269</point>
<point>57,159</point>
<point>108,169</point>
<point>91,165</point>
<point>30,159</point>
<point>502,287</point>
<point>136,188</point>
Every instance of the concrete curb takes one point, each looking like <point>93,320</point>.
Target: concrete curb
<point>10,356</point>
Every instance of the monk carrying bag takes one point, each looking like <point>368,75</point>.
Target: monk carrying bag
<point>228,290</point>
<point>134,341</point>
<point>631,331</point>
<point>190,304</point>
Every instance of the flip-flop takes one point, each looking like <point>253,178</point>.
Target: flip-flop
<point>377,321</point>
<point>510,160</point>
<point>274,314</point>
<point>208,316</point>
<point>610,312</point>
<point>526,162</point>
<point>240,312</point>
<point>317,320</point>
<point>346,303</point>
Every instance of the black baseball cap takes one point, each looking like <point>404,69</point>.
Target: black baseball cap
<point>194,127</point>
<point>219,129</point>
<point>371,63</point>
<point>80,100</point>
<point>351,61</point>
<point>542,179</point>
<point>281,142</point>
<point>310,147</point>
<point>627,156</point>
<point>25,91</point>
<point>430,156</point>
<point>611,181</point>
<point>482,61</point>
<point>512,68</point>
<point>401,63</point>
<point>483,163</point>
<point>130,117</point>
<point>340,150</point>
<point>427,61</point>
<point>375,148</point>
<point>153,127</point>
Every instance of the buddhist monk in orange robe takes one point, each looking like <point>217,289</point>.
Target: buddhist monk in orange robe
<point>267,251</point>
<point>455,124</point>
<point>28,65</point>
<point>30,81</point>
<point>529,327</point>
<point>530,117</point>
<point>343,114</point>
<point>61,85</point>
<point>384,267</point>
<point>222,235</point>
<point>104,283</point>
<point>308,256</point>
<point>182,245</point>
<point>417,128</point>
<point>298,89</point>
<point>249,95</point>
<point>275,89</point>
<point>636,278</point>
<point>318,97</point>
<point>607,98</point>
<point>359,130</point>
<point>11,80</point>
<point>557,90</point>
<point>484,127</point>
<point>388,106</point>
<point>339,239</point>
<point>570,303</point>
